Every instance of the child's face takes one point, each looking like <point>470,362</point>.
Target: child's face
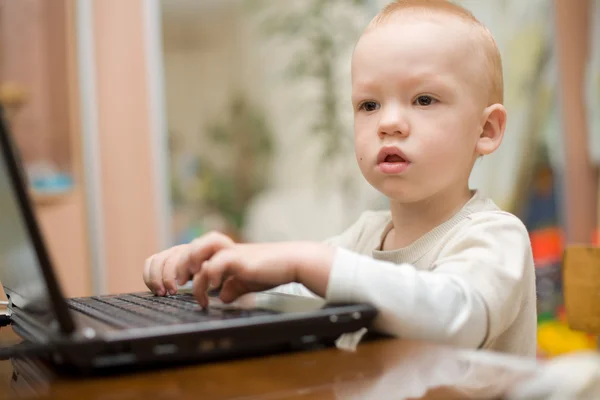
<point>418,105</point>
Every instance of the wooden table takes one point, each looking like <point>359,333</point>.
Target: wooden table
<point>380,369</point>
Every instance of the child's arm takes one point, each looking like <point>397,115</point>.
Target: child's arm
<point>178,264</point>
<point>471,295</point>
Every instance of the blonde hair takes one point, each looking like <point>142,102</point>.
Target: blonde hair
<point>484,38</point>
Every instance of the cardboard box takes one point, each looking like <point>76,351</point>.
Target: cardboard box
<point>581,286</point>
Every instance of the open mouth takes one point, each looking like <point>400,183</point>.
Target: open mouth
<point>392,161</point>
<point>393,158</point>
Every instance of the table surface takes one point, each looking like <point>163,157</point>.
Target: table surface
<point>383,368</point>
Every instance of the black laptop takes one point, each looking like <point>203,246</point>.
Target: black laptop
<point>102,333</point>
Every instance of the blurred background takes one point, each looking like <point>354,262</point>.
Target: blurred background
<point>145,123</point>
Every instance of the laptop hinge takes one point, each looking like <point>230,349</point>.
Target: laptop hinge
<point>5,307</point>
<point>5,312</point>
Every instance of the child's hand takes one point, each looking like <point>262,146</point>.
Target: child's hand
<point>164,270</point>
<point>245,268</point>
<point>214,260</point>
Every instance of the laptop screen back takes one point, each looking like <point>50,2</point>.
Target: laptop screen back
<point>19,268</point>
<point>25,270</point>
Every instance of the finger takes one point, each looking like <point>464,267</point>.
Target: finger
<point>232,289</point>
<point>200,250</point>
<point>199,290</point>
<point>170,269</point>
<point>182,270</point>
<point>211,274</point>
<point>146,273</point>
<point>220,267</point>
<point>156,272</point>
<point>205,247</point>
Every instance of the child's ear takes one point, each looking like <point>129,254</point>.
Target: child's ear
<point>494,123</point>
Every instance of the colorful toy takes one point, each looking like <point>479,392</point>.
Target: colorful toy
<point>556,338</point>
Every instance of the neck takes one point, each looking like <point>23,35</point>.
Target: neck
<point>413,220</point>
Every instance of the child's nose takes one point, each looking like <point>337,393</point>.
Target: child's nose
<point>393,122</point>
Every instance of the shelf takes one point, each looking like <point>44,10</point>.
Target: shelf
<point>45,199</point>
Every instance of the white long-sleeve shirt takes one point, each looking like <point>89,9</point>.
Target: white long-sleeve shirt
<point>469,282</point>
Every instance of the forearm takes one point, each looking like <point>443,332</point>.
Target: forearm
<point>315,267</point>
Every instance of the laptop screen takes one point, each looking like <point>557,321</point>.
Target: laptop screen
<point>26,272</point>
<point>20,272</point>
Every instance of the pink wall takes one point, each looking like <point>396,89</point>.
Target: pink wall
<point>125,142</point>
<point>32,49</point>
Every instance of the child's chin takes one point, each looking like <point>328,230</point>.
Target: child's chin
<point>399,192</point>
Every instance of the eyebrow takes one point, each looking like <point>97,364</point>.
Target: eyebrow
<point>417,80</point>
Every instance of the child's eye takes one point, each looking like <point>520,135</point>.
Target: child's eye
<point>424,100</point>
<point>369,106</point>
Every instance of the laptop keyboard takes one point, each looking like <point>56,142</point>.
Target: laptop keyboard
<point>138,310</point>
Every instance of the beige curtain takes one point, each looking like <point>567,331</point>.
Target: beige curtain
<point>523,33</point>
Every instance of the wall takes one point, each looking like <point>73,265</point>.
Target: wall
<point>127,179</point>
<point>213,51</point>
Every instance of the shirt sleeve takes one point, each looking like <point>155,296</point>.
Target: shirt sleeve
<point>471,295</point>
